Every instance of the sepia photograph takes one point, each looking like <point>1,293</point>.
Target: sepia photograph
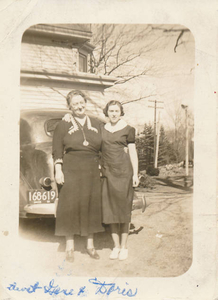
<point>114,143</point>
<point>134,85</point>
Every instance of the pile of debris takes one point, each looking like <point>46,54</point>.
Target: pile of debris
<point>146,181</point>
<point>171,170</point>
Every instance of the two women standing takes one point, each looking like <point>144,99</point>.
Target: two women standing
<point>83,205</point>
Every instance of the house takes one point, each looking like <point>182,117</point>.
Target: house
<point>56,59</point>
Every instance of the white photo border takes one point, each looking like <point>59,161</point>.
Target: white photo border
<point>199,282</point>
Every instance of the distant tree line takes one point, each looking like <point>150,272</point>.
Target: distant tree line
<point>171,149</point>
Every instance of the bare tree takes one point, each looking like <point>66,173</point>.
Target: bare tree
<point>118,49</point>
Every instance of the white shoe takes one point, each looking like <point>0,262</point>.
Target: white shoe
<point>115,253</point>
<point>123,254</point>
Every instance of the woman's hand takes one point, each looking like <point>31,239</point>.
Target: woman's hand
<point>135,180</point>
<point>67,118</point>
<point>59,177</point>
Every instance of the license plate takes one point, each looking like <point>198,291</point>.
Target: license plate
<point>41,196</point>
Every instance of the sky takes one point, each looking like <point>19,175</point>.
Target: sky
<point>172,81</point>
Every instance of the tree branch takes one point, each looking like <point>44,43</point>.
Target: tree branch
<point>181,31</point>
<point>177,41</point>
<point>122,63</point>
<point>138,99</point>
<point>131,77</point>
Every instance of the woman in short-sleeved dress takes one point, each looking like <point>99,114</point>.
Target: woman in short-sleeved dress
<point>120,175</point>
<point>76,148</point>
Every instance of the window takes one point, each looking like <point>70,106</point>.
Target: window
<point>82,63</point>
<point>50,126</point>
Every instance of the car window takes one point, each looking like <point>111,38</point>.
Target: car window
<point>50,126</point>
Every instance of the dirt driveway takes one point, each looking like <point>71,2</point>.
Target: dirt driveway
<point>161,248</point>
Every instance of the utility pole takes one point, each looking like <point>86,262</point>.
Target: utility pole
<point>185,107</point>
<point>157,142</point>
<point>155,134</point>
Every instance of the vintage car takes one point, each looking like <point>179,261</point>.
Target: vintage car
<point>38,191</point>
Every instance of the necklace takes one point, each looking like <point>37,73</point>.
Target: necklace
<point>85,142</point>
<point>81,120</point>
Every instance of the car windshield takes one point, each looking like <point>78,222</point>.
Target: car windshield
<point>50,126</point>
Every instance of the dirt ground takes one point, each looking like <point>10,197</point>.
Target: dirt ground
<point>160,246</point>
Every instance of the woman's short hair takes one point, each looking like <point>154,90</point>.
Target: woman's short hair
<point>113,102</point>
<point>75,93</point>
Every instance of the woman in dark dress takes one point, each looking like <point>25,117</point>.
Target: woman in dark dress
<point>120,175</point>
<point>76,146</point>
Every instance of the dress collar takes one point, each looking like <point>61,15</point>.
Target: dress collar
<point>120,125</point>
<point>75,126</point>
<point>81,121</point>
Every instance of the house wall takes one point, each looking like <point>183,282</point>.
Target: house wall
<point>49,58</point>
<point>46,97</point>
<point>50,67</point>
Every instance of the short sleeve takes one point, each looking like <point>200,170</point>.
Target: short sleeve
<point>57,144</point>
<point>131,136</point>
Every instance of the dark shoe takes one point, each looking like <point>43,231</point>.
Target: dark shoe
<point>70,256</point>
<point>92,253</point>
